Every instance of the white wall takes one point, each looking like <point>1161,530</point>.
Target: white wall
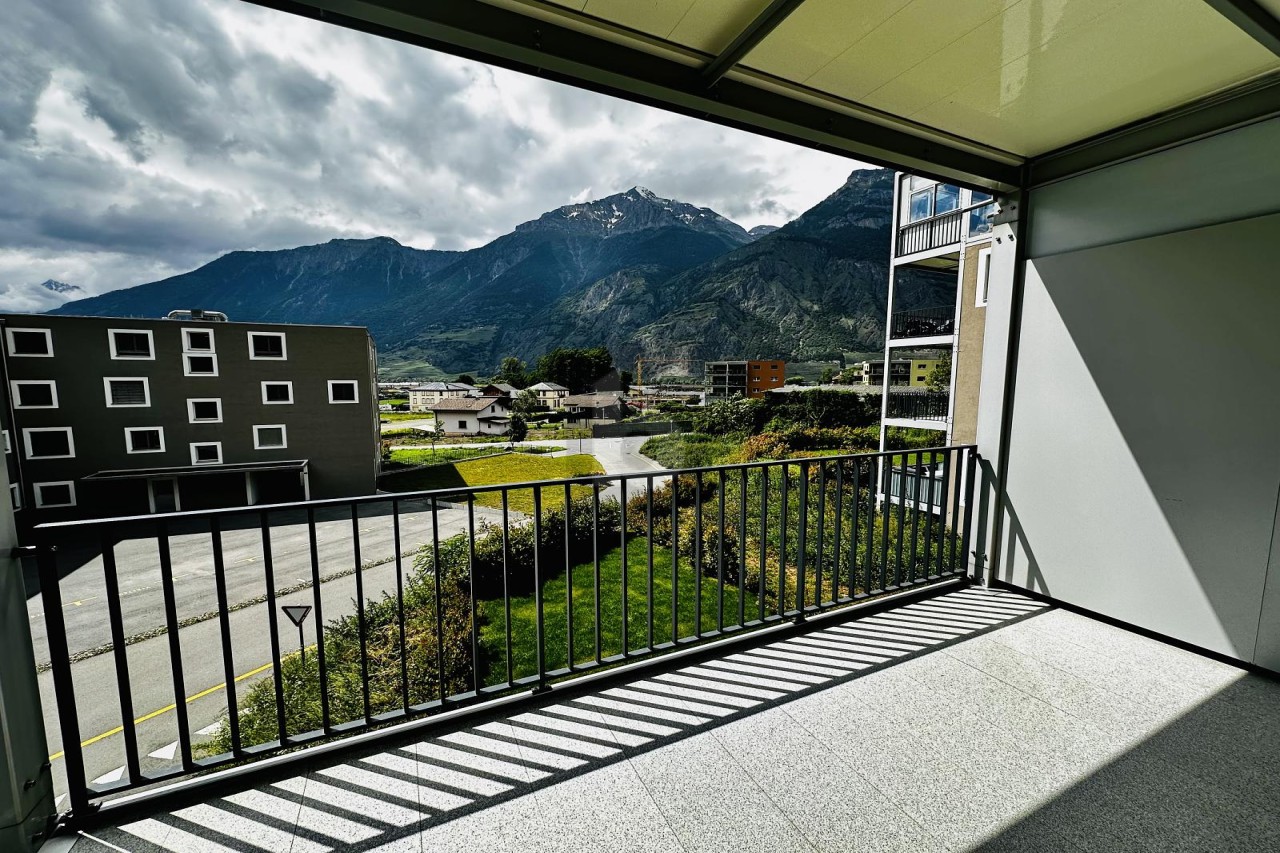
<point>1144,464</point>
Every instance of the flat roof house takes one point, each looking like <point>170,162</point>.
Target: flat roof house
<point>123,416</point>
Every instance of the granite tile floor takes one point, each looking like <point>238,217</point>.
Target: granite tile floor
<point>975,720</point>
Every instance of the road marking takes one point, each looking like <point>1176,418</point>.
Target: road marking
<point>210,730</point>
<point>80,602</point>
<point>166,709</point>
<point>165,753</point>
<point>107,778</point>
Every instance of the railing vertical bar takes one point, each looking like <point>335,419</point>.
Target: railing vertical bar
<point>899,568</point>
<point>802,539</point>
<point>838,539</point>
<point>540,638</point>
<point>928,516</point>
<point>869,548</point>
<point>626,574</point>
<point>697,554</point>
<point>764,537</point>
<point>886,465</point>
<point>326,722</point>
<point>568,580</point>
<point>648,520</point>
<point>175,646</point>
<point>940,517</point>
<point>953,534</point>
<point>854,530</point>
<point>506,581</point>
<point>473,614</point>
<point>915,518</point>
<point>224,631</point>
<point>400,632</point>
<point>362,626</point>
<point>820,554</point>
<point>675,558</point>
<point>63,681</point>
<point>124,686</point>
<point>595,560</point>
<point>782,538</point>
<point>970,469</point>
<point>742,545</point>
<point>436,599</point>
<point>720,484</point>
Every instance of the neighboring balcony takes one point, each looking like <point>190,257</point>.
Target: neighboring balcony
<point>935,322</point>
<point>943,230</point>
<point>928,408</point>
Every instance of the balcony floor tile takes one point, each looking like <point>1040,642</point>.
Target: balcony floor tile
<point>976,720</point>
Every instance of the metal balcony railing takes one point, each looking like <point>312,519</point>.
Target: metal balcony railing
<point>918,484</point>
<point>932,233</point>
<point>918,405</point>
<point>565,577</point>
<point>923,322</point>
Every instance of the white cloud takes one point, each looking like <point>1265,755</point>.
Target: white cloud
<point>139,138</point>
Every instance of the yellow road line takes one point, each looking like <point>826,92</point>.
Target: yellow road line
<point>166,709</point>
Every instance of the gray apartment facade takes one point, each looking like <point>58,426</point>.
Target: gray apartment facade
<point>114,416</point>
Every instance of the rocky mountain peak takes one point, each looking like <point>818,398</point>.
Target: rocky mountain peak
<point>637,209</point>
<point>60,287</point>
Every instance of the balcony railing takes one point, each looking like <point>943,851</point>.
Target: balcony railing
<point>918,405</point>
<point>541,582</point>
<point>918,483</point>
<point>923,322</point>
<point>932,233</point>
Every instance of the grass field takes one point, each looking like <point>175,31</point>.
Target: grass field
<point>508,468</point>
<point>524,611</point>
<point>689,450</point>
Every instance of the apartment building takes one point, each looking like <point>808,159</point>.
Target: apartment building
<point>903,372</point>
<point>423,397</point>
<point>114,416</point>
<point>724,379</point>
<point>550,394</point>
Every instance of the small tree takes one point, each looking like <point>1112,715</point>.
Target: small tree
<point>940,377</point>
<point>526,403</point>
<point>514,372</point>
<point>466,378</point>
<point>519,429</point>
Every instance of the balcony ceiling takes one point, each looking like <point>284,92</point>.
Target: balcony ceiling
<point>964,90</point>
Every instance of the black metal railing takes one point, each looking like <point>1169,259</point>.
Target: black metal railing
<point>481,592</point>
<point>923,322</point>
<point>919,405</point>
<point>932,233</point>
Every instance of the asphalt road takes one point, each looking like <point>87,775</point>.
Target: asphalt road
<point>203,689</point>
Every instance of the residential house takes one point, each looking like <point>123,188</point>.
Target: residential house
<point>423,397</point>
<point>499,389</point>
<point>472,416</point>
<point>550,395</point>
<point>588,410</point>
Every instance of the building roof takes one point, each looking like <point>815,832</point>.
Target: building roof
<point>504,387</point>
<point>547,386</point>
<point>467,404</point>
<point>596,400</point>
<point>444,386</point>
<point>969,92</point>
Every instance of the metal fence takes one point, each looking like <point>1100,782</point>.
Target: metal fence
<point>919,405</point>
<point>567,577</point>
<point>923,322</point>
<point>932,233</point>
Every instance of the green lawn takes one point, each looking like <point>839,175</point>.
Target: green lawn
<point>555,627</point>
<point>508,468</point>
<point>427,456</point>
<point>396,417</point>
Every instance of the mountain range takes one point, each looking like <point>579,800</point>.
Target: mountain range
<point>641,274</point>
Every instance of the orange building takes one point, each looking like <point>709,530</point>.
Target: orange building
<point>726,379</point>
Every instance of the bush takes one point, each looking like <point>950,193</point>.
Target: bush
<point>724,417</point>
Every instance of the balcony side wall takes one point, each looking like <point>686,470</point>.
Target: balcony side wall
<point>968,352</point>
<point>1143,462</point>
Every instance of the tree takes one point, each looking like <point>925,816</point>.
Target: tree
<point>827,376</point>
<point>519,429</point>
<point>575,369</point>
<point>466,378</point>
<point>626,378</point>
<point>513,372</point>
<point>526,403</point>
<point>940,377</point>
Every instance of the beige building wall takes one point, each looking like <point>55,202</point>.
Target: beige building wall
<point>968,352</point>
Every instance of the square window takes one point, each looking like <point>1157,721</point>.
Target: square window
<point>946,199</point>
<point>921,206</point>
<point>131,344</point>
<point>276,393</point>
<point>49,443</point>
<point>269,437</point>
<point>127,391</point>
<point>266,345</point>
<point>34,394</point>
<point>199,365</point>
<point>197,340</point>
<point>144,439</point>
<point>343,391</point>
<point>462,424</point>
<point>31,343</point>
<point>55,494</point>
<point>208,411</point>
<point>206,452</point>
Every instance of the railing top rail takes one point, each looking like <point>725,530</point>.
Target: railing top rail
<point>388,497</point>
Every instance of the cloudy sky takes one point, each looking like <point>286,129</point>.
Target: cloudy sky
<point>143,138</point>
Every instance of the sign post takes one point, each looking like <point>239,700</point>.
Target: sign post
<point>297,614</point>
